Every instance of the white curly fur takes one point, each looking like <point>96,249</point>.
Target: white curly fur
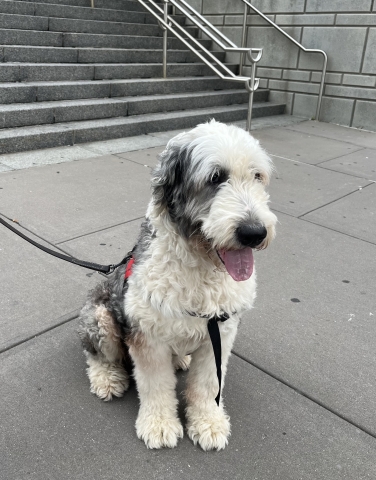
<point>179,276</point>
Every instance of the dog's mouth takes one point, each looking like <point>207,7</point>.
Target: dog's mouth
<point>238,263</point>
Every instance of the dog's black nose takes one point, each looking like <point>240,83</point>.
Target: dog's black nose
<point>251,235</point>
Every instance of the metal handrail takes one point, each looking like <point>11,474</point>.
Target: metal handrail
<point>247,5</point>
<point>168,23</point>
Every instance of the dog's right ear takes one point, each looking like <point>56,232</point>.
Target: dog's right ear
<point>168,181</point>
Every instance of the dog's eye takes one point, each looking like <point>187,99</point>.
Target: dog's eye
<point>258,176</point>
<point>216,178</point>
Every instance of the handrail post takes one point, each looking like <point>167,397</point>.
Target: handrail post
<point>244,40</point>
<point>165,32</point>
<point>252,85</point>
<point>321,91</point>
<point>92,3</point>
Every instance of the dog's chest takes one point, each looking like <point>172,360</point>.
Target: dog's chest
<point>167,297</point>
<point>170,284</point>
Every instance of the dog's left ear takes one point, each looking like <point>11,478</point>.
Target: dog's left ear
<point>168,181</point>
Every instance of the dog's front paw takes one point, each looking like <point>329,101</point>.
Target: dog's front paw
<point>209,429</point>
<point>158,431</point>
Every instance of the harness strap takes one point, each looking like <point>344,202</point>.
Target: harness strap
<point>106,269</point>
<point>215,338</point>
<point>129,268</point>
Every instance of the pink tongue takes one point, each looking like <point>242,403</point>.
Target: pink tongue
<point>238,263</point>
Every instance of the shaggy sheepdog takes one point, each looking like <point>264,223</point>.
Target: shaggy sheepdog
<point>192,266</point>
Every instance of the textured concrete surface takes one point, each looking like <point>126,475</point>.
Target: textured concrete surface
<point>282,435</point>
<point>78,197</point>
<point>302,146</point>
<point>358,164</point>
<point>40,292</point>
<point>300,387</point>
<point>353,214</point>
<point>307,187</point>
<point>313,324</point>
<point>349,136</point>
<point>364,115</point>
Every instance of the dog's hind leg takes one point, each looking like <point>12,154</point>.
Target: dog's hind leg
<point>157,423</point>
<point>104,349</point>
<point>207,423</point>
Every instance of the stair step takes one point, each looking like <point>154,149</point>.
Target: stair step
<point>20,8</point>
<point>34,72</point>
<point>31,92</point>
<point>87,13</point>
<point>55,24</point>
<point>101,14</point>
<point>57,39</point>
<point>23,22</point>
<point>81,74</point>
<point>108,4</point>
<point>122,41</point>
<point>30,38</point>
<point>45,136</point>
<point>39,113</point>
<point>113,28</point>
<point>42,54</point>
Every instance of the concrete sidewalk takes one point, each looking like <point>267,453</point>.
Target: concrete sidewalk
<point>301,388</point>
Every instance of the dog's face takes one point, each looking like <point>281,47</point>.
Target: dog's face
<point>211,183</point>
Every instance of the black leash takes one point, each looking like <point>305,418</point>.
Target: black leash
<point>106,269</point>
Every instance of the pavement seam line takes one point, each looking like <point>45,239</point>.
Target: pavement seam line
<point>336,200</point>
<point>305,395</point>
<point>337,231</point>
<point>340,156</point>
<point>65,319</point>
<point>345,173</point>
<point>319,165</point>
<point>288,127</point>
<point>322,226</point>
<point>99,230</point>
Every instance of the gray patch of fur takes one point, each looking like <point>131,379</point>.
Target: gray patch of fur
<point>147,234</point>
<point>175,189</point>
<point>110,293</point>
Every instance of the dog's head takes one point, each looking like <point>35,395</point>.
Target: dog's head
<point>210,182</point>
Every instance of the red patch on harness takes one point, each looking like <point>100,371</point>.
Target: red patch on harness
<point>128,270</point>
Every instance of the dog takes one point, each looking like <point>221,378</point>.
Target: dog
<point>193,262</point>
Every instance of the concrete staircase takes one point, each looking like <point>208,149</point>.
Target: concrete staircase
<point>72,74</point>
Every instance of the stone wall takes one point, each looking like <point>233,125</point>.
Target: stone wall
<point>344,29</point>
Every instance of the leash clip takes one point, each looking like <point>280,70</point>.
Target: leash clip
<point>111,269</point>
